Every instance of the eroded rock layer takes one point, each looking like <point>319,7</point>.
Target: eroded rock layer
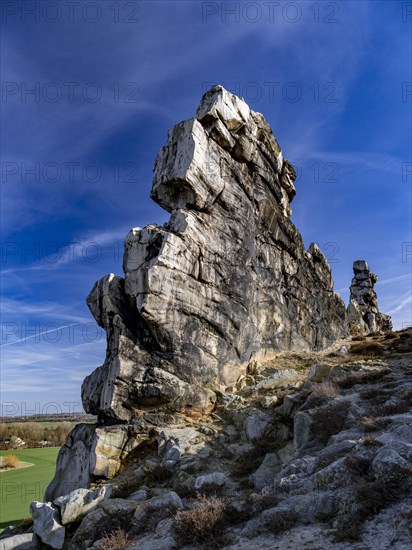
<point>225,280</point>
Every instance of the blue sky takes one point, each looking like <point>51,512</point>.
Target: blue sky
<point>109,78</point>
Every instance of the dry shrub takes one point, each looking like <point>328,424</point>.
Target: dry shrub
<point>279,521</point>
<point>358,465</point>
<point>114,541</point>
<point>403,344</point>
<point>10,461</point>
<point>370,441</point>
<point>329,420</point>
<point>249,462</point>
<point>370,498</point>
<point>360,377</point>
<point>396,407</point>
<point>321,394</point>
<point>327,457</point>
<point>159,474</point>
<point>391,335</point>
<point>262,501</point>
<point>367,348</point>
<point>204,524</point>
<point>374,496</point>
<point>372,424</point>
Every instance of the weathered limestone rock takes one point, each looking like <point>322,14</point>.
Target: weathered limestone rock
<point>363,312</point>
<point>388,465</point>
<point>72,467</point>
<point>93,523</point>
<point>80,502</point>
<point>257,425</point>
<point>18,542</point>
<point>91,452</point>
<point>46,524</point>
<point>229,269</point>
<point>319,372</point>
<point>215,478</point>
<point>168,501</point>
<point>277,379</point>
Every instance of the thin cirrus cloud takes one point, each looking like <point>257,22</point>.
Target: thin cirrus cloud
<point>171,55</point>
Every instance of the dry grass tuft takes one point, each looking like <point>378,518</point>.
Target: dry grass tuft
<point>329,420</point>
<point>159,475</point>
<point>281,520</point>
<point>321,394</point>
<point>368,348</point>
<point>350,379</point>
<point>204,525</point>
<point>358,465</point>
<point>114,541</point>
<point>369,498</point>
<point>370,441</point>
<point>10,461</point>
<point>373,424</point>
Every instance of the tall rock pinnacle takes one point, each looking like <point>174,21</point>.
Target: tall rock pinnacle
<point>363,312</point>
<point>225,280</point>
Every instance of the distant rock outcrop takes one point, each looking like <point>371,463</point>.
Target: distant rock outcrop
<point>363,312</point>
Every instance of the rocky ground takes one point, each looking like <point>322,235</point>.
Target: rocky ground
<point>307,450</point>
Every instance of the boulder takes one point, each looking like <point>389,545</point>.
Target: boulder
<point>257,425</point>
<point>106,451</point>
<point>388,465</point>
<point>78,503</point>
<point>72,466</point>
<point>46,523</point>
<point>169,501</point>
<point>216,478</point>
<point>18,542</point>
<point>278,379</point>
<point>319,372</point>
<point>266,473</point>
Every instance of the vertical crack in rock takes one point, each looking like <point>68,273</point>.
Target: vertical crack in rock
<point>363,312</point>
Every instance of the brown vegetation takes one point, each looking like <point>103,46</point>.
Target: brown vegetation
<point>204,524</point>
<point>279,521</point>
<point>329,419</point>
<point>10,461</point>
<point>367,348</point>
<point>115,540</point>
<point>350,379</point>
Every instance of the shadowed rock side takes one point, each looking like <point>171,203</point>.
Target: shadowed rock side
<point>363,311</point>
<point>227,278</point>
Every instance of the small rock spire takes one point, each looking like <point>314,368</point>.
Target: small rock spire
<point>363,311</point>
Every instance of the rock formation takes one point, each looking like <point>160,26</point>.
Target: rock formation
<point>206,303</point>
<point>225,281</point>
<point>363,312</point>
<point>227,278</point>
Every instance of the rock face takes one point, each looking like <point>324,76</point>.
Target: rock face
<point>363,312</point>
<point>225,280</point>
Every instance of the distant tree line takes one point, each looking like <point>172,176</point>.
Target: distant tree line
<point>33,434</point>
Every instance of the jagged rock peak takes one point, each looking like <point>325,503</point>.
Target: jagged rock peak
<point>225,280</point>
<point>363,311</point>
<point>191,172</point>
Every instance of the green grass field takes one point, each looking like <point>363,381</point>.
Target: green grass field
<point>18,488</point>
